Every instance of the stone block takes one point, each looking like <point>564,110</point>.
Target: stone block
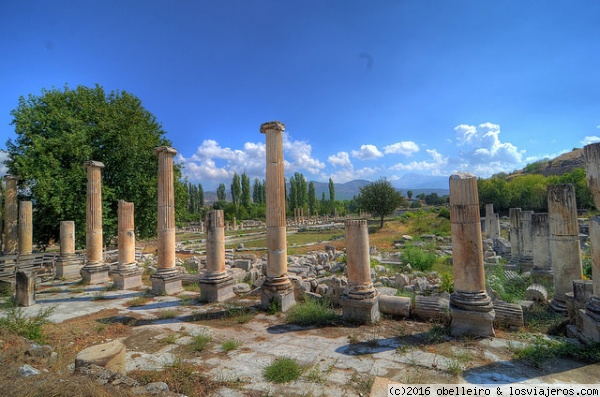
<point>284,299</point>
<point>470,322</point>
<point>109,355</point>
<point>509,315</point>
<point>25,288</point>
<point>216,292</point>
<point>68,269</point>
<point>536,293</point>
<point>128,280</point>
<point>590,328</point>
<point>360,310</point>
<point>95,275</point>
<point>245,264</point>
<point>431,307</point>
<point>166,286</point>
<point>395,305</point>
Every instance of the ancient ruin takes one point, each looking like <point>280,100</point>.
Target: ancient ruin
<point>217,284</point>
<point>68,264</point>
<point>471,309</point>
<point>127,275</point>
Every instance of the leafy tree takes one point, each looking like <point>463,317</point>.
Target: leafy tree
<point>331,193</point>
<point>245,197</point>
<point>379,198</point>
<point>495,190</point>
<point>409,194</point>
<point>221,195</point>
<point>298,193</point>
<point>257,191</point>
<point>60,129</point>
<point>200,196</point>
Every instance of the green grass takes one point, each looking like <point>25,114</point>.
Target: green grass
<point>138,301</point>
<point>283,370</point>
<point>418,258</point>
<point>167,314</point>
<point>313,312</point>
<point>508,290</point>
<point>15,320</point>
<point>543,320</point>
<point>200,341</point>
<point>240,314</point>
<point>169,340</point>
<point>230,345</point>
<point>543,352</point>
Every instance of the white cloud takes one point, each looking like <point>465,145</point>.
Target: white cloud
<point>341,159</point>
<point>367,152</point>
<point>590,139</point>
<point>483,153</point>
<point>298,154</point>
<point>3,167</point>
<point>436,166</point>
<point>406,148</point>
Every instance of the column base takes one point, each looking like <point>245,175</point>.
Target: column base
<point>558,305</point>
<point>166,282</point>
<point>590,325</point>
<point>278,290</point>
<point>526,264</point>
<point>471,314</point>
<point>127,279</point>
<point>360,310</point>
<point>67,269</point>
<point>95,274</point>
<point>216,290</point>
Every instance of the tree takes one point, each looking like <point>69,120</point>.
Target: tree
<point>379,198</point>
<point>59,130</point>
<point>245,197</point>
<point>236,191</point>
<point>331,193</point>
<point>221,195</point>
<point>409,194</point>
<point>200,192</point>
<point>257,196</point>
<point>312,198</point>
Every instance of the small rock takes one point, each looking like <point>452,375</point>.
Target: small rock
<point>241,288</point>
<point>27,370</point>
<point>156,387</point>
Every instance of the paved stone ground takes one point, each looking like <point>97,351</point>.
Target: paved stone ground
<point>341,361</point>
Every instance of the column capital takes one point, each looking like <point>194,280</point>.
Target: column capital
<point>92,163</point>
<point>10,177</point>
<point>275,126</point>
<point>165,149</point>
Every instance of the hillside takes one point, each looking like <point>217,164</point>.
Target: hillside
<point>566,162</point>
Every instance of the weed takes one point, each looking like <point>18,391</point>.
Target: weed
<point>455,367</point>
<point>361,384</point>
<point>509,289</point>
<point>187,300</point>
<point>200,341</point>
<point>353,339</point>
<point>418,258</point>
<point>544,351</point>
<point>192,287</point>
<point>283,370</point>
<point>542,319</point>
<point>169,340</point>
<point>240,314</point>
<point>318,375</point>
<point>15,320</point>
<point>54,290</point>
<point>167,314</point>
<point>313,312</point>
<point>437,333</point>
<point>112,287</point>
<point>99,296</point>
<point>138,301</point>
<point>77,290</point>
<point>274,307</point>
<point>100,328</point>
<point>447,283</point>
<point>230,345</point>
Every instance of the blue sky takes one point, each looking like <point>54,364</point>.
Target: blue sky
<point>366,89</point>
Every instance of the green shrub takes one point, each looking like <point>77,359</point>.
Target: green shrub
<point>283,370</point>
<point>418,258</point>
<point>545,351</point>
<point>312,312</point>
<point>15,320</point>
<point>230,345</point>
<point>200,341</point>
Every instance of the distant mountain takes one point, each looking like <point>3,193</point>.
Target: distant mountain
<point>343,191</point>
<point>416,181</point>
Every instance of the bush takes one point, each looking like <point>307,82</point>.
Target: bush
<point>418,258</point>
<point>312,312</point>
<point>200,341</point>
<point>14,320</point>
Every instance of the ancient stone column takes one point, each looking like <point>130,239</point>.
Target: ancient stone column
<point>360,299</point>
<point>565,248</point>
<point>591,315</point>
<point>217,284</point>
<point>25,229</point>
<point>25,288</point>
<point>95,271</point>
<point>235,223</point>
<point>471,308</point>
<point>10,215</point>
<point>526,234</point>
<point>277,286</point>
<point>542,263</point>
<point>515,237</point>
<point>128,274</point>
<point>492,223</point>
<point>68,265</point>
<point>166,280</point>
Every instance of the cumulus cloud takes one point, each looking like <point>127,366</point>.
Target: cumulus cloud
<point>483,153</point>
<point>437,165</point>
<point>406,148</point>
<point>367,152</point>
<point>590,139</point>
<point>3,158</point>
<point>212,164</point>
<point>341,159</point>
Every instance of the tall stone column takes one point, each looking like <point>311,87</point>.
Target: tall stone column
<point>360,299</point>
<point>277,286</point>
<point>166,280</point>
<point>542,262</point>
<point>10,216</point>
<point>565,248</point>
<point>127,275</point>
<point>95,271</point>
<point>25,229</point>
<point>471,308</point>
<point>68,265</point>
<point>492,224</point>
<point>526,260</point>
<point>515,237</point>
<point>217,284</point>
<point>591,315</point>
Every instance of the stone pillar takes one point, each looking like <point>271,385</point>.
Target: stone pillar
<point>491,222</point>
<point>25,288</point>
<point>471,309</point>
<point>95,271</point>
<point>591,315</point>
<point>565,248</point>
<point>360,299</point>
<point>542,262</point>
<point>526,260</point>
<point>127,275</point>
<point>217,284</point>
<point>235,223</point>
<point>277,286</point>
<point>68,265</point>
<point>166,280</point>
<point>515,237</point>
<point>25,229</point>
<point>10,215</point>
